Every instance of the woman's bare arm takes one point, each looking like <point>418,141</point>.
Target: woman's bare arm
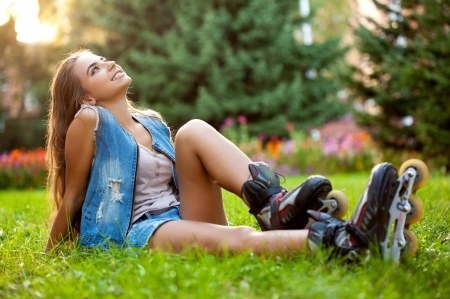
<point>79,152</point>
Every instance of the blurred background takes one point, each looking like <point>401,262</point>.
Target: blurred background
<point>309,86</point>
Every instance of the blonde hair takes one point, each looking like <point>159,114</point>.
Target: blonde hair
<point>66,92</point>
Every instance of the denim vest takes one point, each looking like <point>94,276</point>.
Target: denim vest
<point>108,205</point>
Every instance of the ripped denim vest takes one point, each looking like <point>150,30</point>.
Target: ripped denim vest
<point>108,205</point>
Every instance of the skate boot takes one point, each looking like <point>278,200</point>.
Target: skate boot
<point>368,225</point>
<point>277,208</point>
<point>383,203</point>
<point>334,233</point>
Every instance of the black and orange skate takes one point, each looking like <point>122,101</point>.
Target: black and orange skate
<point>277,208</point>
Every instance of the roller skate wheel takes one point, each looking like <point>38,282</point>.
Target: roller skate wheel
<point>342,202</point>
<point>422,172</point>
<point>411,244</point>
<point>416,210</point>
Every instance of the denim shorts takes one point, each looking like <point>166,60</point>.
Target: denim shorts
<point>147,224</point>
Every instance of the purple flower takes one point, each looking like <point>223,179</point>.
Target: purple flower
<point>282,169</point>
<point>288,147</point>
<point>295,171</point>
<point>262,136</point>
<point>228,121</point>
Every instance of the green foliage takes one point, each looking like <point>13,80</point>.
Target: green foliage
<point>22,178</point>
<point>22,133</point>
<point>26,272</point>
<point>411,80</point>
<point>218,59</point>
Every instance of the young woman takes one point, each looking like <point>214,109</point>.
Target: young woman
<point>112,173</point>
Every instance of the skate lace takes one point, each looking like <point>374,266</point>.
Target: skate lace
<point>280,175</point>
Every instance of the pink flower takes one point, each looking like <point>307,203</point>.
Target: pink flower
<point>331,146</point>
<point>228,122</point>
<point>241,119</point>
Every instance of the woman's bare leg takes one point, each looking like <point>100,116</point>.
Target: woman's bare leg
<point>175,236</point>
<point>207,161</point>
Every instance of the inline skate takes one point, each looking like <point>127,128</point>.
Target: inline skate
<point>381,220</point>
<point>277,208</point>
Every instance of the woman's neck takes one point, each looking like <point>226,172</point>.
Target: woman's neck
<point>121,112</point>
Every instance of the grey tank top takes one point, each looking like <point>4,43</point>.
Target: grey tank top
<point>153,192</point>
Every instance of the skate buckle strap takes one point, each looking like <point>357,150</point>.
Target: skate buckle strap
<point>266,194</point>
<point>329,233</point>
<point>274,212</point>
<point>357,234</point>
<point>263,197</point>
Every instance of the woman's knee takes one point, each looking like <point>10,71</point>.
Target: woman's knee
<point>244,238</point>
<point>192,129</point>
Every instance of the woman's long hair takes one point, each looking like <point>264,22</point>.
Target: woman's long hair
<point>66,94</point>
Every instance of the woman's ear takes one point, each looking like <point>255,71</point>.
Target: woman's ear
<point>88,100</point>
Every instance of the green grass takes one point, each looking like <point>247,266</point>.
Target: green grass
<point>26,272</point>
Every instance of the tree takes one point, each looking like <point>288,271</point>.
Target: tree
<point>406,74</point>
<point>217,59</point>
<point>25,71</point>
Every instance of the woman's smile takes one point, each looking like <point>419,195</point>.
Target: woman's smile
<point>118,74</point>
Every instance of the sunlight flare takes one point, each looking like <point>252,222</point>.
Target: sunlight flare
<point>27,24</point>
<point>5,7</point>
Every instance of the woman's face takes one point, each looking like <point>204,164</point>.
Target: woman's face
<point>103,80</point>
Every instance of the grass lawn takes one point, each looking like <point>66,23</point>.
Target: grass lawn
<point>26,272</point>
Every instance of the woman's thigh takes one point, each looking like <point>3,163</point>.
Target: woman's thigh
<point>206,161</point>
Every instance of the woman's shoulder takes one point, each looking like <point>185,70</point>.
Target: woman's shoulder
<point>87,117</point>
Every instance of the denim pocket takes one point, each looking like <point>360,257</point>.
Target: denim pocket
<point>92,203</point>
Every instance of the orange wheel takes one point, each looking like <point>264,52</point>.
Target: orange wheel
<point>416,210</point>
<point>422,172</point>
<point>411,244</point>
<point>342,202</point>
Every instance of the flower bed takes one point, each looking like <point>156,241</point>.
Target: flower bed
<point>22,169</point>
<point>304,153</point>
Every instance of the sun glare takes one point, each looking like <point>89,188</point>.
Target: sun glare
<point>28,27</point>
<point>4,16</point>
